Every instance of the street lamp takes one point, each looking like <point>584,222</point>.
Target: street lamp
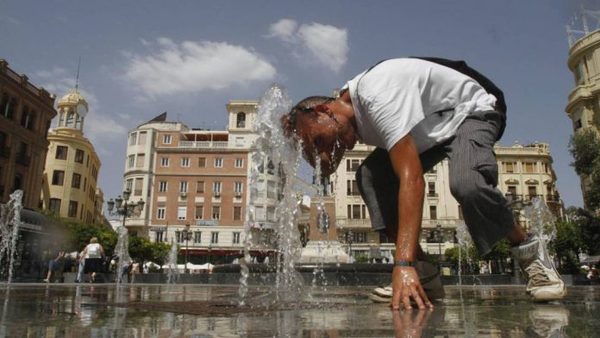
<point>186,234</point>
<point>440,238</point>
<point>121,206</point>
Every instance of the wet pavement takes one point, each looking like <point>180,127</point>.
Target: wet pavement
<point>104,310</point>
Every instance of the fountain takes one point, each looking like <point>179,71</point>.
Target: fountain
<point>122,253</point>
<point>10,221</point>
<point>172,270</point>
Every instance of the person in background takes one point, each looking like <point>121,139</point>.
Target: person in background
<point>93,255</point>
<point>55,266</point>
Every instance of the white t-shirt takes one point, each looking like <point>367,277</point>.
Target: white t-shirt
<point>402,96</point>
<point>93,251</point>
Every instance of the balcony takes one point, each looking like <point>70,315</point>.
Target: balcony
<point>204,144</point>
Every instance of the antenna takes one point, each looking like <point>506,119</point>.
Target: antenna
<point>77,76</point>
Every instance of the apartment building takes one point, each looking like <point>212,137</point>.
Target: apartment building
<point>583,107</point>
<point>70,183</point>
<point>525,172</point>
<point>25,115</point>
<point>195,183</point>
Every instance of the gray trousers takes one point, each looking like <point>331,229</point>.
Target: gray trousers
<point>473,179</point>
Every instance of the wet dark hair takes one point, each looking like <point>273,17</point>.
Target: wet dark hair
<point>289,122</point>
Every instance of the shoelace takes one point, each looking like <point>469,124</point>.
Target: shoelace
<point>538,275</point>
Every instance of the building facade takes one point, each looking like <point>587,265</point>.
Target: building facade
<point>583,107</point>
<point>195,183</point>
<point>70,185</point>
<point>25,115</point>
<point>525,172</point>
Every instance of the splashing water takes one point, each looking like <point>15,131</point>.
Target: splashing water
<point>172,271</point>
<point>122,252</point>
<point>541,224</point>
<point>272,146</point>
<point>10,221</point>
<point>464,242</point>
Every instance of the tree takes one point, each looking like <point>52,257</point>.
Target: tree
<point>589,227</point>
<point>141,249</point>
<point>567,245</point>
<point>584,146</point>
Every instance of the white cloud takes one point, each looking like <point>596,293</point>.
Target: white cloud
<point>52,73</point>
<point>194,66</point>
<point>284,29</point>
<point>325,44</point>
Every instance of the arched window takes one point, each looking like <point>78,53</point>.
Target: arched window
<point>241,120</point>
<point>70,119</point>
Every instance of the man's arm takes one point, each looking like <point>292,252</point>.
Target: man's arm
<point>407,167</point>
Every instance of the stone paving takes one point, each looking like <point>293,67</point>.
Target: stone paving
<point>150,310</point>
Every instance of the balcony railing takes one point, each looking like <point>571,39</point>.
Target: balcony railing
<point>204,144</point>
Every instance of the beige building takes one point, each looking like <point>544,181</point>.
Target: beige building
<point>70,185</point>
<point>524,172</point>
<point>25,115</point>
<point>198,178</point>
<point>583,107</point>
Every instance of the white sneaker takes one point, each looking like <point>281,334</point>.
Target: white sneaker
<point>548,321</point>
<point>543,281</point>
<point>431,282</point>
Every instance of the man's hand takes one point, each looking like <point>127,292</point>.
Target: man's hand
<point>406,286</point>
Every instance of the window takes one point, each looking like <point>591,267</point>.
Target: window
<point>352,165</point>
<point>199,211</point>
<point>7,106</point>
<point>179,236</point>
<point>162,186</point>
<point>140,160</point>
<point>185,162</point>
<point>160,213</point>
<point>164,161</point>
<point>239,162</point>
<point>3,145</point>
<point>237,188</point>
<point>139,183</point>
<point>167,139</point>
<point>271,214</point>
<point>460,212</point>
<point>217,188</point>
<point>512,191</point>
<point>58,177</point>
<point>76,181</point>
<point>352,188</point>
<point>197,236</point>
<point>216,212</point>
<point>237,213</point>
<point>142,138</point>
<point>577,124</point>
<point>61,152</point>
<point>271,189</point>
<point>579,74</point>
<point>236,238</point>
<point>241,120</point>
<point>130,161</point>
<point>214,237</point>
<point>432,212</point>
<point>159,236</point>
<point>183,186</point>
<point>219,162</point>
<point>129,184</point>
<point>27,118</point>
<point>79,155</point>
<point>360,237</point>
<point>431,189</point>
<point>181,213</point>
<point>201,162</point>
<point>72,209</point>
<point>200,187</point>
<point>132,139</point>
<point>509,167</point>
<point>529,167</point>
<point>54,205</point>
<point>532,191</point>
<point>259,213</point>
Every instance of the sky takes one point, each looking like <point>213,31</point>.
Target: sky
<point>189,58</point>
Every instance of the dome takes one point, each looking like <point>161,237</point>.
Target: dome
<point>74,99</point>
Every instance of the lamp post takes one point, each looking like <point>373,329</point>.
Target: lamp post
<point>440,238</point>
<point>121,206</point>
<point>186,235</point>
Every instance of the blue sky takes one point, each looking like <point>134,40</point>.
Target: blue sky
<point>140,58</point>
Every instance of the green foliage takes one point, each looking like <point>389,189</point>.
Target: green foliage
<point>584,146</point>
<point>141,249</point>
<point>79,235</point>
<point>567,246</point>
<point>361,258</point>
<point>589,228</point>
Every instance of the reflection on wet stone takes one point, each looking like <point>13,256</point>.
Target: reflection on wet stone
<point>212,311</point>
